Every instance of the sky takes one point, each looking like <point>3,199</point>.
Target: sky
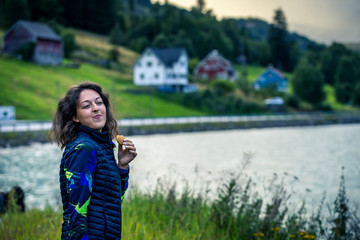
<point>324,21</point>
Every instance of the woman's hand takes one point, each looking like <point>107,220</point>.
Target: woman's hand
<point>126,153</point>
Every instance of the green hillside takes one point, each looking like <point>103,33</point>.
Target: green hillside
<point>35,90</point>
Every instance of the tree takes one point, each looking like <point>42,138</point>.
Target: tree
<point>161,41</point>
<point>330,59</point>
<point>2,13</point>
<point>356,95</point>
<point>15,10</point>
<point>277,39</point>
<point>96,16</point>
<point>42,10</point>
<point>308,83</point>
<point>346,76</point>
<point>200,5</point>
<point>116,35</point>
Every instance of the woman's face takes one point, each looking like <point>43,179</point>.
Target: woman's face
<point>90,110</point>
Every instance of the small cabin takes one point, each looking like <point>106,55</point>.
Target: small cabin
<point>48,45</point>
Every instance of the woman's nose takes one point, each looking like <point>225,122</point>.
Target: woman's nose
<point>95,107</point>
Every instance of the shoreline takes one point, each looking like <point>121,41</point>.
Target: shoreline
<point>25,138</point>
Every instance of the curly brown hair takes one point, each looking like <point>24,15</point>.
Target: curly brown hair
<point>64,129</point>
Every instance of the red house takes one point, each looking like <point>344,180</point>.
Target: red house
<point>48,49</point>
<point>215,66</point>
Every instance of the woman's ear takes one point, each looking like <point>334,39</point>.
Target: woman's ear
<point>74,118</point>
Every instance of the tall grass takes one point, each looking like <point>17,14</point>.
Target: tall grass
<point>237,211</point>
<point>32,224</point>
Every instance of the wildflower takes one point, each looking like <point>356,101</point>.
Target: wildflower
<point>302,233</point>
<point>292,236</point>
<point>308,236</point>
<point>275,229</point>
<point>259,235</point>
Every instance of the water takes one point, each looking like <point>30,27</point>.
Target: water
<point>309,159</point>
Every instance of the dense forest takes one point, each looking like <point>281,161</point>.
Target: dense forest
<point>137,24</point>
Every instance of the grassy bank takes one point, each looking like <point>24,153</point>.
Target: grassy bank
<point>236,211</point>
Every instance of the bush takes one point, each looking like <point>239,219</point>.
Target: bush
<point>113,55</point>
<point>69,42</point>
<point>26,50</point>
<point>223,86</point>
<point>292,101</point>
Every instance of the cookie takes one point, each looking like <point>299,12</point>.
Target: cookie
<point>120,139</point>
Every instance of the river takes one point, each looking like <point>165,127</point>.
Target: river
<point>308,160</point>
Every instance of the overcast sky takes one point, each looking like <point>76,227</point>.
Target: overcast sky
<point>324,21</point>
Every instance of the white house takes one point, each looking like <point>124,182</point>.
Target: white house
<point>162,67</point>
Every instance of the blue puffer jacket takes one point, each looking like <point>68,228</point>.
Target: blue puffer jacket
<point>104,209</point>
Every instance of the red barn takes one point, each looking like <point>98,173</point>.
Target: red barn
<point>48,49</point>
<point>215,66</point>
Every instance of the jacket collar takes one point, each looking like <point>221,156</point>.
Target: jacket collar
<point>100,137</point>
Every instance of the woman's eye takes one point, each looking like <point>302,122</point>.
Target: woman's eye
<point>86,106</point>
<point>99,103</point>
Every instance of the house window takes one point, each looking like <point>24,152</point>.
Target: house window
<point>149,64</point>
<point>156,75</point>
<point>142,76</point>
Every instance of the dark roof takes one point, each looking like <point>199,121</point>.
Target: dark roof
<point>40,30</point>
<point>168,55</point>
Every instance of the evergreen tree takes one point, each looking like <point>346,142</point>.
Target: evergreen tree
<point>15,10</point>
<point>2,13</point>
<point>42,10</point>
<point>74,13</point>
<point>277,39</point>
<point>93,15</point>
<point>200,5</point>
<point>116,35</point>
<point>100,16</point>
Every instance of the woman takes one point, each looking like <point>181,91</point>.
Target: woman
<point>92,183</point>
